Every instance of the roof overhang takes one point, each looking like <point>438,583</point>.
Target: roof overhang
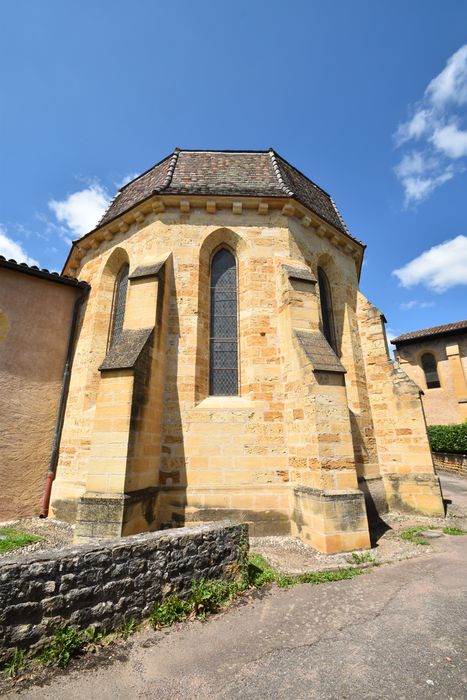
<point>157,204</point>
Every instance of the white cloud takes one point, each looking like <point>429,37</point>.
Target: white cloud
<point>81,211</point>
<point>414,128</point>
<point>13,249</point>
<point>439,268</point>
<point>451,140</point>
<point>438,131</point>
<point>451,84</point>
<point>418,188</point>
<point>414,304</point>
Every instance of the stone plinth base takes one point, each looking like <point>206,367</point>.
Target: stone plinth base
<point>114,515</point>
<point>375,497</point>
<point>414,493</point>
<point>331,521</point>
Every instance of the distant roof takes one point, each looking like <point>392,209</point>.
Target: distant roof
<point>34,271</point>
<point>447,329</point>
<point>227,173</point>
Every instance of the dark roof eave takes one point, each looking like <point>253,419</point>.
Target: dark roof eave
<point>42,274</point>
<point>428,336</point>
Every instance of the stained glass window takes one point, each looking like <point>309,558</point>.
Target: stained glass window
<point>118,306</point>
<point>223,370</point>
<point>431,371</point>
<point>327,314</point>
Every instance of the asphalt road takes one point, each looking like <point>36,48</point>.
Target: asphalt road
<point>398,632</point>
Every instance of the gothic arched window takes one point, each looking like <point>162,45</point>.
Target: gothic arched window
<point>118,304</point>
<point>431,371</point>
<point>223,355</point>
<point>327,314</point>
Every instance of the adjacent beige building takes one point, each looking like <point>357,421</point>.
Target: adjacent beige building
<point>227,365</point>
<point>36,319</point>
<point>436,359</point>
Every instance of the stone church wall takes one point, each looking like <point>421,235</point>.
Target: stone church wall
<point>300,445</point>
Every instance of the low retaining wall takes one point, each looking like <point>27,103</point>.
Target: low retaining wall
<point>451,462</point>
<point>109,582</point>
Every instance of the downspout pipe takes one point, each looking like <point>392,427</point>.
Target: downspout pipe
<point>52,468</point>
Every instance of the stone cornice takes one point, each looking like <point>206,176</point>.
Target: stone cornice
<point>186,205</point>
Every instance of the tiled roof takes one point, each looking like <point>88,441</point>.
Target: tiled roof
<point>228,173</point>
<point>447,329</point>
<point>126,351</point>
<point>319,352</point>
<point>34,271</point>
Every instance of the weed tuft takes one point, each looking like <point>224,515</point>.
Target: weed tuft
<point>126,629</point>
<point>66,643</point>
<point>361,558</point>
<point>172,609</point>
<point>94,638</point>
<point>454,531</point>
<point>412,534</point>
<point>15,664</point>
<point>209,596</point>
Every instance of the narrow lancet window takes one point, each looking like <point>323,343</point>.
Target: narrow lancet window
<point>118,305</point>
<point>223,356</point>
<point>431,371</point>
<point>327,315</point>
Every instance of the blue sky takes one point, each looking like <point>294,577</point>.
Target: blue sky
<point>369,99</point>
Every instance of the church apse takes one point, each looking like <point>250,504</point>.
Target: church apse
<point>246,376</point>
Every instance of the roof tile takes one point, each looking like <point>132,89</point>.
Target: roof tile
<point>447,329</point>
<point>226,173</point>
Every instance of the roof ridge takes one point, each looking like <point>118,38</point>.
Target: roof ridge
<point>170,171</point>
<point>127,184</point>
<point>222,150</point>
<point>278,173</point>
<point>318,187</point>
<point>344,225</point>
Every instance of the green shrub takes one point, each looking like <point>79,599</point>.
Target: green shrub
<point>66,643</point>
<point>448,438</point>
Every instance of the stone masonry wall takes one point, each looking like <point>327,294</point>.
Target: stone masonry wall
<point>451,462</point>
<point>109,582</point>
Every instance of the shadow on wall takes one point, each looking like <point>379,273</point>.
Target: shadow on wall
<point>171,495</point>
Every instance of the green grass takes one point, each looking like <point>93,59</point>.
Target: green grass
<point>15,664</point>
<point>14,539</point>
<point>412,534</point>
<point>261,572</point>
<point>454,531</point>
